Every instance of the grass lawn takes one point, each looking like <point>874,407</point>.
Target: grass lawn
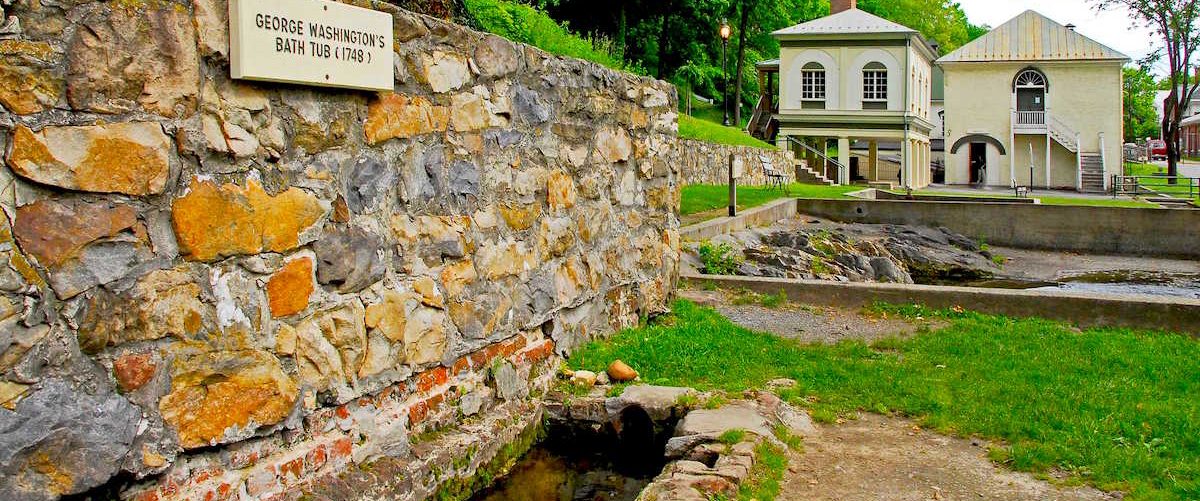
<point>713,132</point>
<point>701,198</point>
<point>1112,407</point>
<point>1141,169</point>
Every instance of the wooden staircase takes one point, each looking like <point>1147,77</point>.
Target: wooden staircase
<point>1093,173</point>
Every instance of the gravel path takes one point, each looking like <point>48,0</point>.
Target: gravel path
<point>805,323</point>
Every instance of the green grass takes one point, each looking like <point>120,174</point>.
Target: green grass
<point>714,132</point>
<point>521,23</point>
<point>1112,407</point>
<point>1141,169</point>
<point>711,112</point>
<point>701,197</point>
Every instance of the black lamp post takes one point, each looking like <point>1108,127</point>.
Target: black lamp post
<point>725,33</point>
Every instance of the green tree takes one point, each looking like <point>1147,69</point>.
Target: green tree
<point>1177,22</point>
<point>1141,115</point>
<point>689,76</point>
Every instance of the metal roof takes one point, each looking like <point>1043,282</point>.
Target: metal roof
<point>1032,37</point>
<point>847,22</point>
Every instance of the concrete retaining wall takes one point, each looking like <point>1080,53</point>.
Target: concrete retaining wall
<point>758,216</point>
<point>1140,312</point>
<point>1096,230</point>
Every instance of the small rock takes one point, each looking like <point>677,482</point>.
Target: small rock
<point>602,379</point>
<point>781,383</point>
<point>621,372</point>
<point>584,379</point>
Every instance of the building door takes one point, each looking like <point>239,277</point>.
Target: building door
<point>978,163</point>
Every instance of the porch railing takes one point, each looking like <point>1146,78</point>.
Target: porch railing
<point>1029,118</point>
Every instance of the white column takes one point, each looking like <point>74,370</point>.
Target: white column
<point>844,159</point>
<point>1047,160</point>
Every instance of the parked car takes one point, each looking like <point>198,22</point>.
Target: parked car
<point>1158,149</point>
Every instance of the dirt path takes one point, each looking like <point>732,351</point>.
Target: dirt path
<point>880,458</point>
<point>806,323</point>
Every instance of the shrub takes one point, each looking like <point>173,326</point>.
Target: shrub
<point>525,24</point>
<point>719,259</point>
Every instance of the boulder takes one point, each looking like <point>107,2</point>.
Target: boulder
<point>621,372</point>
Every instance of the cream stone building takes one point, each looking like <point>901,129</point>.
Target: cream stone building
<point>1033,103</point>
<point>852,76</point>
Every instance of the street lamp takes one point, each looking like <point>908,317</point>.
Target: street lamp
<point>725,33</point>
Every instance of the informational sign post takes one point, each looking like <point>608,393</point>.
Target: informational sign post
<point>311,42</point>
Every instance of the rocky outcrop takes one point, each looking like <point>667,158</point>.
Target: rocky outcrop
<point>815,249</point>
<point>212,288</point>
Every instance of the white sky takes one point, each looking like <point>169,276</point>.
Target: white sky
<point>1112,28</point>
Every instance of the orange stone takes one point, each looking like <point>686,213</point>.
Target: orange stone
<point>561,190</point>
<point>54,231</point>
<point>25,90</point>
<point>216,394</point>
<point>131,158</point>
<point>134,371</point>
<point>212,222</point>
<point>289,289</point>
<point>402,116</point>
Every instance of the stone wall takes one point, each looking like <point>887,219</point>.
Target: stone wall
<point>212,289</point>
<point>708,163</point>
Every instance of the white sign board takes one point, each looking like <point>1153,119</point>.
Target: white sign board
<point>311,42</point>
<point>739,168</point>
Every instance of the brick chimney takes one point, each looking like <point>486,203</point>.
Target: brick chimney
<point>836,6</point>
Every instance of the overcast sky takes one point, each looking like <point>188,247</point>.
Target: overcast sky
<point>1112,28</point>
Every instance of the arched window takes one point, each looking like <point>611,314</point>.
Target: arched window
<point>812,86</point>
<point>875,86</point>
<point>1030,89</point>
<point>1030,79</point>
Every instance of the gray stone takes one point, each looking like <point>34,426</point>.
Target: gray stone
<point>423,179</point>
<point>367,179</point>
<point>504,138</point>
<point>348,259</point>
<point>714,422</point>
<point>885,270</point>
<point>464,181</point>
<point>660,402</point>
<point>59,441</point>
<point>98,264</point>
<point>530,108</point>
<point>509,385</point>
<point>497,57</point>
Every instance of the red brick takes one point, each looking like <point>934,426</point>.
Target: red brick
<point>341,448</point>
<point>147,496</point>
<point>294,467</point>
<point>417,413</point>
<point>315,458</point>
<point>461,365</point>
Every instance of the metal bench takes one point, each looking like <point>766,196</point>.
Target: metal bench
<point>776,179</point>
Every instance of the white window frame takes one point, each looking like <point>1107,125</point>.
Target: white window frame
<point>875,85</point>
<point>813,84</point>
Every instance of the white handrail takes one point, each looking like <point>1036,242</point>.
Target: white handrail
<point>1078,163</point>
<point>1103,162</point>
